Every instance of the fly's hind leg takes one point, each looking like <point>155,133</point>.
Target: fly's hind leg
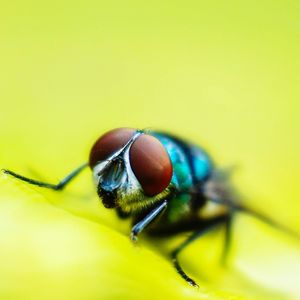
<point>203,227</point>
<point>227,238</point>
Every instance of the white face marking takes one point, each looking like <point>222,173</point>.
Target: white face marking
<point>129,183</point>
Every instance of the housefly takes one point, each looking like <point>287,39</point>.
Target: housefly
<point>163,183</point>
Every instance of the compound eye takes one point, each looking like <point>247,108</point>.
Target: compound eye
<point>109,143</point>
<point>151,164</point>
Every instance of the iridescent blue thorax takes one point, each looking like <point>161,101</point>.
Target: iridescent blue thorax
<point>191,167</point>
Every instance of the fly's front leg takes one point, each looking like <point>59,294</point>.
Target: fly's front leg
<point>51,186</point>
<point>138,227</point>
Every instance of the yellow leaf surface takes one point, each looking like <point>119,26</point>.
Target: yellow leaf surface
<point>224,75</point>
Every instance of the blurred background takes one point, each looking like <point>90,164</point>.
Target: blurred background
<point>224,75</point>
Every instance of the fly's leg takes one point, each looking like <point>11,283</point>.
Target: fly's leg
<point>138,227</point>
<point>227,238</point>
<point>204,227</point>
<point>51,186</point>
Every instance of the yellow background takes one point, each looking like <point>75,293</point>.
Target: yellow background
<point>223,74</point>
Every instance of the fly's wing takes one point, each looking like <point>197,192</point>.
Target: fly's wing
<point>218,190</point>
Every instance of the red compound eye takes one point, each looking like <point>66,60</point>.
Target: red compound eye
<point>151,164</point>
<point>109,143</point>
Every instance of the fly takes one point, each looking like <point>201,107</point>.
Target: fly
<point>163,183</point>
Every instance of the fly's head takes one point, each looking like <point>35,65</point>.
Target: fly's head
<point>131,169</point>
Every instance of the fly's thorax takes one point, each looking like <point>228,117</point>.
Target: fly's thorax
<point>192,167</point>
<point>179,207</point>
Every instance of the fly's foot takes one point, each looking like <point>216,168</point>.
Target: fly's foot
<point>180,271</point>
<point>133,237</point>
